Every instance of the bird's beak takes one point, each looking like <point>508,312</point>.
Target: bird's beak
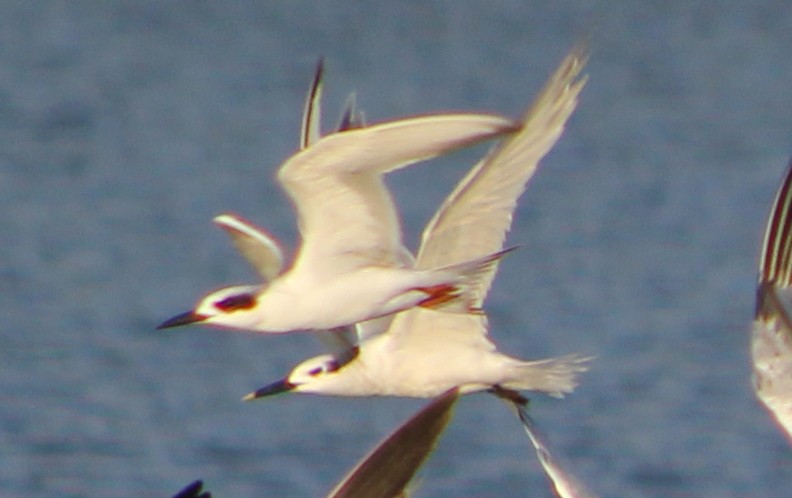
<point>183,319</point>
<point>281,386</point>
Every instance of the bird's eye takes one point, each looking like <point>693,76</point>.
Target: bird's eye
<point>236,302</point>
<point>330,366</point>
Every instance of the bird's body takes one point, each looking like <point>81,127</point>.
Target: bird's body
<point>351,265</point>
<point>425,352</point>
<point>315,300</point>
<point>424,367</point>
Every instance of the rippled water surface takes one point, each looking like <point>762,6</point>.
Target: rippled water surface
<point>125,126</point>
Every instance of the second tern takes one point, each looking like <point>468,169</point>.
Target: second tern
<point>425,352</point>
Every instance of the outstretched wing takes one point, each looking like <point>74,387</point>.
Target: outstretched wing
<point>771,344</point>
<point>346,214</point>
<point>254,244</point>
<point>474,219</point>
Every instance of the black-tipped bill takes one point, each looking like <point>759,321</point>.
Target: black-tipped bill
<point>281,386</point>
<point>183,319</point>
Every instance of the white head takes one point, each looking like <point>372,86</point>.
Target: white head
<point>234,307</point>
<point>323,374</point>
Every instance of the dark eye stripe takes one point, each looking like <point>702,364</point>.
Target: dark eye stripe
<point>237,302</point>
<point>330,366</point>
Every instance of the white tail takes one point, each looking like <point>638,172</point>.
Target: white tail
<point>554,376</point>
<point>463,296</point>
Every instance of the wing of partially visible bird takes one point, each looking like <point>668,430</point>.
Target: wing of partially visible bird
<point>388,469</point>
<point>771,343</point>
<point>254,244</point>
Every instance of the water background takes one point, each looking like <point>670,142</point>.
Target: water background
<point>126,126</point>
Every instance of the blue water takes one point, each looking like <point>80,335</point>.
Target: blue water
<point>125,126</point>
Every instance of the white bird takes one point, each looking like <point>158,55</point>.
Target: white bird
<point>351,265</point>
<point>771,342</point>
<point>424,352</point>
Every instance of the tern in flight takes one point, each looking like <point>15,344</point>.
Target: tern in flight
<point>351,265</point>
<point>771,343</point>
<point>426,352</point>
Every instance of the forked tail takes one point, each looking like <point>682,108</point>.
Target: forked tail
<point>462,295</point>
<point>554,376</point>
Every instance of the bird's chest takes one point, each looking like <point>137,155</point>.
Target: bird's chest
<point>411,374</point>
<point>322,301</point>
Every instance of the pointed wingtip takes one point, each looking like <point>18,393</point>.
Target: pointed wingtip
<point>226,219</point>
<point>235,223</point>
<point>194,490</point>
<point>318,76</point>
<point>312,111</point>
<point>351,117</point>
<point>563,86</point>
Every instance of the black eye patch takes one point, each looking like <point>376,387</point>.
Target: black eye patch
<point>329,367</point>
<point>236,302</point>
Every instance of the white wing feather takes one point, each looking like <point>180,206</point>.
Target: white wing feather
<point>311,131</point>
<point>474,219</point>
<point>346,214</point>
<point>254,244</point>
<point>771,343</point>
